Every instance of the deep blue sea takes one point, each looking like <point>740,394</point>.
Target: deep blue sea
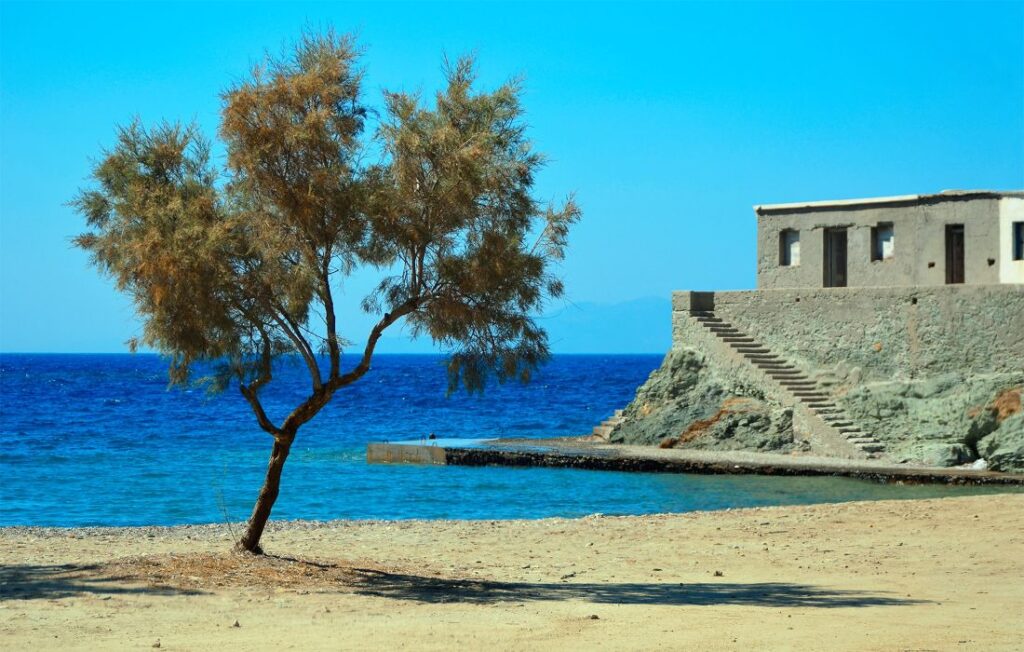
<point>101,440</point>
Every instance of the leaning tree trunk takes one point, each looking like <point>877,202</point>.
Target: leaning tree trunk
<point>250,541</point>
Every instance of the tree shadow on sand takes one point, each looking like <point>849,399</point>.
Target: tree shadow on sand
<point>30,582</point>
<point>762,594</point>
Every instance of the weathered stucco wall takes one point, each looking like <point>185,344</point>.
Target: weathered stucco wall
<point>920,241</point>
<point>886,333</point>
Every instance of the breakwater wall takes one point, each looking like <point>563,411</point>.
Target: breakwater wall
<point>651,460</point>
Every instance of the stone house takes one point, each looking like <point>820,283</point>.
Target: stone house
<point>953,237</point>
<point>883,327</point>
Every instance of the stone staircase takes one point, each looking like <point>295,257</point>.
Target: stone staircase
<point>795,382</point>
<point>605,429</point>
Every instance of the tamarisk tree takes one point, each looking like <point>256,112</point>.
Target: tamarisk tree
<point>240,265</point>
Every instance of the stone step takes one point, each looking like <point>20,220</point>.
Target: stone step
<point>788,376</point>
<point>871,448</point>
<point>862,440</point>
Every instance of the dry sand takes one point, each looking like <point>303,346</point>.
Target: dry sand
<point>943,574</point>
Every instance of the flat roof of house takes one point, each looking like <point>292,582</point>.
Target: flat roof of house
<point>874,202</point>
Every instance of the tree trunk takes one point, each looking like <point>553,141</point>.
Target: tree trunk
<point>250,541</point>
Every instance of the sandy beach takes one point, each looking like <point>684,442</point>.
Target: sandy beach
<point>944,574</point>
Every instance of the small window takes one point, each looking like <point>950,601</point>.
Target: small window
<point>883,241</point>
<point>789,248</point>
<point>1018,240</point>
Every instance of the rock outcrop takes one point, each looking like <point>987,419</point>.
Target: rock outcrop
<point>945,420</point>
<point>689,403</point>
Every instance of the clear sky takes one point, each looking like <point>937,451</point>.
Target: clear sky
<point>669,121</point>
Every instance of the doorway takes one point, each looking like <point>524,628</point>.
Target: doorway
<point>835,258</point>
<point>954,253</point>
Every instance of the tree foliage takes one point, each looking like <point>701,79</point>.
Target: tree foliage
<point>241,265</point>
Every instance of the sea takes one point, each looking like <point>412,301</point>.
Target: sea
<point>101,440</point>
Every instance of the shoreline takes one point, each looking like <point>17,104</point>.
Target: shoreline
<point>898,574</point>
<point>303,524</point>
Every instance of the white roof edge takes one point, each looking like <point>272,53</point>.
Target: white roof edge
<point>871,201</point>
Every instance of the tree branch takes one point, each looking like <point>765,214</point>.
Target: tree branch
<point>251,391</point>
<point>329,317</point>
<point>320,397</point>
<point>291,329</point>
<point>371,343</point>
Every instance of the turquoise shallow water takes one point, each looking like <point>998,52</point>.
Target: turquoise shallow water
<point>99,440</point>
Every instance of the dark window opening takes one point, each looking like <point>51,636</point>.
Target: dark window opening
<point>835,258</point>
<point>1018,240</point>
<point>954,253</point>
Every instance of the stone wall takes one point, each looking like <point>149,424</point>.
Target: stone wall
<point>879,333</point>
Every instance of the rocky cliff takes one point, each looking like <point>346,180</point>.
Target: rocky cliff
<point>946,420</point>
<point>689,402</point>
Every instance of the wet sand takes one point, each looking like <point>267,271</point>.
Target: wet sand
<point>944,574</point>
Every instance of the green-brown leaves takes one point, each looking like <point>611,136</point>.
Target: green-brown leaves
<point>159,230</point>
<point>292,131</point>
<point>233,267</point>
<point>453,206</point>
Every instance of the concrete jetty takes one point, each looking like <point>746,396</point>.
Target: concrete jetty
<point>584,453</point>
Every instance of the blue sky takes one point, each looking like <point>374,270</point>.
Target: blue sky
<point>668,120</point>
